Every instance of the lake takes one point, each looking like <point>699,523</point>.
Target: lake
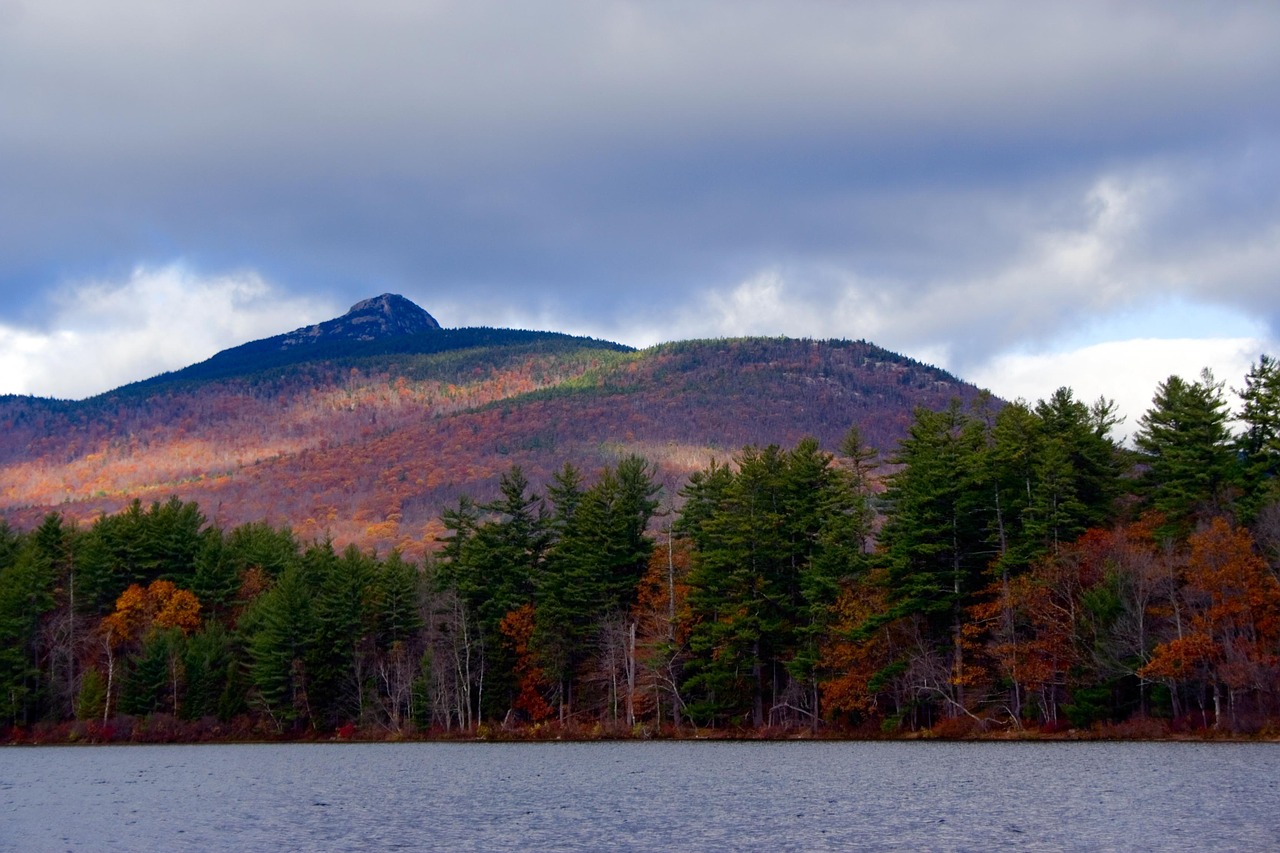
<point>662,796</point>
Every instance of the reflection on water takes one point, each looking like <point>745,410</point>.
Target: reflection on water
<point>642,796</point>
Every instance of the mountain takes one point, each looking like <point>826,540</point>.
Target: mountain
<point>383,316</point>
<point>385,325</point>
<point>365,427</point>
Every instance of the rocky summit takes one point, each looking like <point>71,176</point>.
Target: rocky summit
<point>380,317</point>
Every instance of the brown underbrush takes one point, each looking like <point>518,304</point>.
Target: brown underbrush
<point>167,729</point>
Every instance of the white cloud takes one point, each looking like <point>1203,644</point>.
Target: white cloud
<point>1065,272</point>
<point>103,334</point>
<point>1125,371</point>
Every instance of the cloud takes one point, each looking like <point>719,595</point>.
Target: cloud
<point>951,180</point>
<point>1056,283</point>
<point>1126,371</point>
<point>104,334</point>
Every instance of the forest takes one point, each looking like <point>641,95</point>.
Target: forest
<point>371,449</point>
<point>1008,568</point>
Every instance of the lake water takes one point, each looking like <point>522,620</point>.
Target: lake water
<point>663,796</point>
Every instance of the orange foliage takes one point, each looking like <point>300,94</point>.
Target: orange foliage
<point>131,614</point>
<point>662,606</point>
<point>175,608</point>
<point>1234,601</point>
<point>517,626</point>
<point>322,442</point>
<point>662,618</point>
<point>140,611</point>
<point>855,658</point>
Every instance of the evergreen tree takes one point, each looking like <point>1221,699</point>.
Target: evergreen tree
<point>1259,443</point>
<point>495,565</point>
<point>110,559</point>
<point>397,642</point>
<point>26,593</point>
<point>63,634</point>
<point>155,681</point>
<point>937,536</point>
<point>1184,442</point>
<point>10,543</point>
<point>213,682</point>
<point>773,542</point>
<point>601,551</point>
<point>1074,474</point>
<point>1015,475</point>
<point>1083,435</point>
<point>172,536</point>
<point>165,541</point>
<point>738,592</point>
<point>832,515</point>
<point>281,630</point>
<point>343,611</point>
<point>397,599</point>
<point>565,493</point>
<point>215,580</point>
<point>258,545</point>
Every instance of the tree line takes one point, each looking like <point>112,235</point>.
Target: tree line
<point>1009,565</point>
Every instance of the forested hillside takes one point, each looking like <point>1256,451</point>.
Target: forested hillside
<point>364,428</point>
<point>1018,572</point>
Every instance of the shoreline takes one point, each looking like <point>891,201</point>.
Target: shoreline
<point>146,732</point>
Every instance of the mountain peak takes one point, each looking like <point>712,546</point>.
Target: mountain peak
<point>382,316</point>
<point>395,308</point>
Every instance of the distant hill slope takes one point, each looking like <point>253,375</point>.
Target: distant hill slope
<point>365,430</point>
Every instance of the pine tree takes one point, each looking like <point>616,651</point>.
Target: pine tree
<point>397,598</point>
<point>1259,443</point>
<point>26,592</point>
<point>344,593</point>
<point>257,545</point>
<point>834,522</point>
<point>592,569</point>
<point>1083,438</point>
<point>1184,442</point>
<point>155,682</point>
<point>937,536</point>
<point>495,565</point>
<point>773,543</point>
<point>281,629</point>
<point>213,687</point>
<point>936,532</point>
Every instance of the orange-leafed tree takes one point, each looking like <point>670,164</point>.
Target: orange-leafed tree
<point>1086,616</point>
<point>662,616</point>
<point>862,655</point>
<point>517,629</point>
<point>1227,641</point>
<point>160,605</point>
<point>140,614</point>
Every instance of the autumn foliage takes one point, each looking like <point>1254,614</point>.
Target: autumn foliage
<point>1228,634</point>
<point>458,567</point>
<point>517,627</point>
<point>371,452</point>
<point>160,605</point>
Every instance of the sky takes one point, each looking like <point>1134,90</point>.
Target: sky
<point>1028,194</point>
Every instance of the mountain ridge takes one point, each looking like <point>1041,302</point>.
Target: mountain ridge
<point>382,325</point>
<point>367,441</point>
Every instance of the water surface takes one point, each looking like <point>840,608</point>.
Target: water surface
<point>642,796</point>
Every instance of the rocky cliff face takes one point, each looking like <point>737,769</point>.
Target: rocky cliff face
<point>381,317</point>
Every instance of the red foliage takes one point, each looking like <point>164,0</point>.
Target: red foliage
<point>370,456</point>
<point>517,626</point>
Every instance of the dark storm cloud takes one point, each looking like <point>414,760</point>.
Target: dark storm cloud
<point>980,174</point>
